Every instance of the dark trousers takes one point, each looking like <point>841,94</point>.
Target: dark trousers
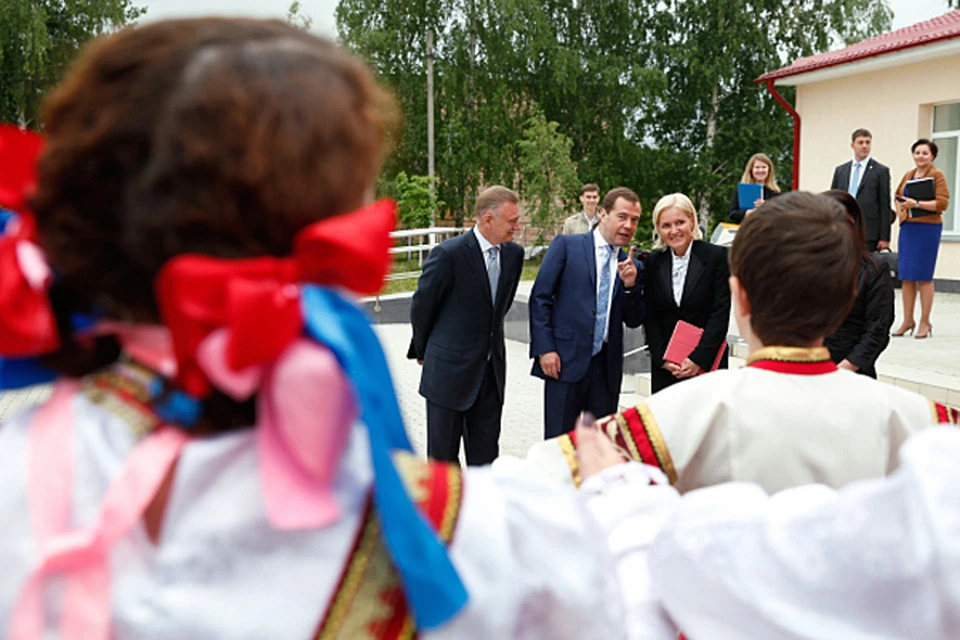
<point>872,245</point>
<point>660,379</point>
<point>478,426</point>
<point>564,401</point>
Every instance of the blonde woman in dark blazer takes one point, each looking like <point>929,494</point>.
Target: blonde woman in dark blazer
<point>920,239</point>
<point>685,279</point>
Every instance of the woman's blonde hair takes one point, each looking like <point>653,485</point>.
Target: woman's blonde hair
<point>771,181</point>
<point>682,202</point>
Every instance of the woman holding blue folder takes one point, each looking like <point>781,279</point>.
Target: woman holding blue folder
<point>758,183</point>
<point>921,223</point>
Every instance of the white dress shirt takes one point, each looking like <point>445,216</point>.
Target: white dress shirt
<point>485,246</point>
<point>602,253</point>
<point>863,168</point>
<point>680,265</point>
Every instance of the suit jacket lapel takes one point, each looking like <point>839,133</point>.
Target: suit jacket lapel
<point>617,282</point>
<point>476,262</point>
<point>591,257</point>
<point>863,176</point>
<point>666,277</point>
<point>502,283</point>
<point>694,271</point>
<point>845,175</point>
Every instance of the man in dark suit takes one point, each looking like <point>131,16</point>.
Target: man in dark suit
<point>869,182</point>
<point>464,292</point>
<point>585,291</point>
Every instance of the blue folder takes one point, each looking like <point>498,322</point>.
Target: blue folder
<point>747,194</point>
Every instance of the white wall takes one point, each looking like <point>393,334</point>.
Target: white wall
<point>896,105</point>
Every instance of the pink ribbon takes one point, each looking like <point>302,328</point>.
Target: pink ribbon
<point>304,411</point>
<point>82,554</point>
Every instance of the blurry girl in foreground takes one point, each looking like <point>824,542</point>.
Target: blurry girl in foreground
<point>223,455</point>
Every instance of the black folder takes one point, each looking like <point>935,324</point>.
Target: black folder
<point>921,189</point>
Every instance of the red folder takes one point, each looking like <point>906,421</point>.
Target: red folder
<point>684,340</point>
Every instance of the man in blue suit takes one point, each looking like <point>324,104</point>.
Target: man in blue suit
<point>585,291</point>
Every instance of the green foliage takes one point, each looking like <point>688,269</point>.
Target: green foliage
<point>298,19</point>
<point>712,116</point>
<point>416,200</point>
<point>547,172</point>
<point>38,41</point>
<point>656,95</point>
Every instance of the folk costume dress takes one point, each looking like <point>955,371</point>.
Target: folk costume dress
<point>876,560</point>
<point>318,522</point>
<point>790,417</point>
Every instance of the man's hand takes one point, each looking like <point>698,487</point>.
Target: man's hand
<point>420,362</point>
<point>687,369</point>
<point>671,367</point>
<point>628,270</point>
<point>883,245</point>
<point>550,363</point>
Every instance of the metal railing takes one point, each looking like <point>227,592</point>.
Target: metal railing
<point>434,235</point>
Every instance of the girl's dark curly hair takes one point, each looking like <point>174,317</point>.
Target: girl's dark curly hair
<point>222,137</point>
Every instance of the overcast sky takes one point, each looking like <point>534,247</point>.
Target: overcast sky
<point>905,12</point>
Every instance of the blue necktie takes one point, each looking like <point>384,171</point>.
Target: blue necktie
<point>493,271</point>
<point>603,294</point>
<point>854,180</point>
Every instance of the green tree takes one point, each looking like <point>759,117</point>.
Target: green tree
<point>38,41</point>
<point>657,95</point>
<point>416,200</point>
<point>711,115</point>
<point>298,19</point>
<point>547,173</point>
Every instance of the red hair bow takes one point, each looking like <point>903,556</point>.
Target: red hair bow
<point>19,152</point>
<point>27,324</point>
<point>258,299</point>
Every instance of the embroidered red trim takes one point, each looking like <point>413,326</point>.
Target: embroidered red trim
<point>795,368</point>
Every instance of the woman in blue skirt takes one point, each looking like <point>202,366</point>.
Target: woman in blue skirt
<point>921,223</point>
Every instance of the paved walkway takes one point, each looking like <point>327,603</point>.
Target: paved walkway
<point>522,416</point>
<point>933,365</point>
<point>522,411</point>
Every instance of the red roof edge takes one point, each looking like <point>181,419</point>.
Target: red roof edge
<point>939,29</point>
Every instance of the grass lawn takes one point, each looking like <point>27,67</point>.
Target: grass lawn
<point>530,269</point>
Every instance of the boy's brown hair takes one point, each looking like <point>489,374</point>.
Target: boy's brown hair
<point>797,262</point>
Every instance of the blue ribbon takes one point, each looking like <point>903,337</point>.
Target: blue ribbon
<point>17,373</point>
<point>6,217</point>
<point>433,588</point>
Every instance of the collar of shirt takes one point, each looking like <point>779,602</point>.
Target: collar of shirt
<point>679,267</point>
<point>590,221</point>
<point>600,251</point>
<point>863,163</point>
<point>484,243</point>
<point>599,241</point>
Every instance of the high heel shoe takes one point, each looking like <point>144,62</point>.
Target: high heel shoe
<point>927,334</point>
<point>902,331</point>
